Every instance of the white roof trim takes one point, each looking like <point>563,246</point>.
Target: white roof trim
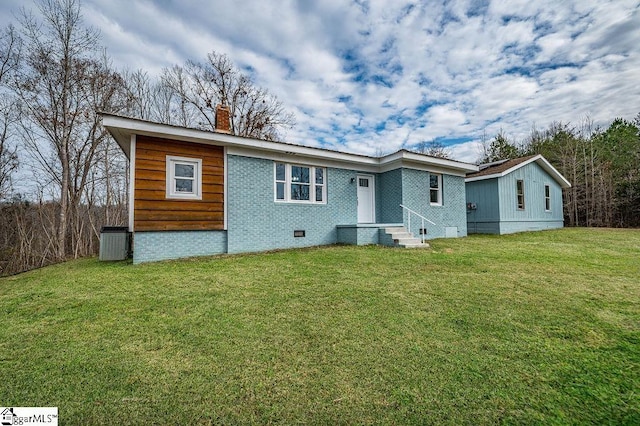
<point>542,162</point>
<point>493,176</point>
<point>122,127</point>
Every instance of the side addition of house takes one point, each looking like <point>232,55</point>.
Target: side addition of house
<point>523,194</point>
<point>195,193</point>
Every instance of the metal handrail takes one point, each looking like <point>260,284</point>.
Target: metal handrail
<point>409,212</point>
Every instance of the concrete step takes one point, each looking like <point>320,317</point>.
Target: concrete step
<point>403,238</point>
<point>401,235</point>
<point>395,229</point>
<point>411,245</point>
<point>407,240</point>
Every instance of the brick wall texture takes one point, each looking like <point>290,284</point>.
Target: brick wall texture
<point>162,245</point>
<point>255,222</point>
<point>389,196</point>
<point>452,212</point>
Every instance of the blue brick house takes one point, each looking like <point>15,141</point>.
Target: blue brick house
<point>195,193</point>
<point>522,194</point>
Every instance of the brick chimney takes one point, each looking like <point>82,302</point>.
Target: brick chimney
<point>223,119</point>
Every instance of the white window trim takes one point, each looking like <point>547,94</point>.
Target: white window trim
<point>197,178</point>
<point>547,198</point>
<point>287,184</point>
<point>439,203</point>
<point>524,204</point>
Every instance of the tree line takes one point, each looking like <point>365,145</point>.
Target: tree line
<point>602,164</point>
<point>62,177</point>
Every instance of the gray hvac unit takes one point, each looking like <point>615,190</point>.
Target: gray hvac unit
<point>114,243</point>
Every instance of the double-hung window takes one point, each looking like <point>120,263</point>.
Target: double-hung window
<point>184,178</point>
<point>547,198</point>
<point>300,184</point>
<point>520,193</point>
<point>435,189</point>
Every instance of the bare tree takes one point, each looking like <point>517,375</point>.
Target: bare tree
<point>63,81</point>
<point>434,149</point>
<point>482,150</point>
<point>8,153</point>
<point>200,86</point>
<point>9,112</point>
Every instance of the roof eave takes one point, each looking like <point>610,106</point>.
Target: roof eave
<point>555,174</point>
<point>540,160</point>
<point>121,128</point>
<point>445,163</point>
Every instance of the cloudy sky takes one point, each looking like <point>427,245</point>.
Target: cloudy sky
<point>372,76</point>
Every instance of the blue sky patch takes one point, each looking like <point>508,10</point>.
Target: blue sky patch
<point>392,74</point>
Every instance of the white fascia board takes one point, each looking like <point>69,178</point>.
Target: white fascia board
<point>562,181</point>
<point>476,178</point>
<point>390,165</point>
<point>546,166</point>
<point>116,125</point>
<point>428,163</point>
<point>350,165</point>
<point>524,163</point>
<point>442,162</point>
<point>122,128</point>
<point>292,158</point>
<point>419,166</point>
<point>504,173</point>
<point>542,162</point>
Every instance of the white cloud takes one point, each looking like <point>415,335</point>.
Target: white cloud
<point>375,75</point>
<point>467,151</point>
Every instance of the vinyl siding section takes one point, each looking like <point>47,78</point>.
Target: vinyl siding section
<point>535,178</point>
<point>497,203</point>
<point>485,219</point>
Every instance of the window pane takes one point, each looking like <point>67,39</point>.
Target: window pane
<point>318,193</point>
<point>434,196</point>
<point>280,171</point>
<point>184,170</point>
<point>300,192</point>
<point>280,191</point>
<point>320,176</point>
<point>363,182</point>
<point>184,185</point>
<point>299,174</point>
<point>433,181</point>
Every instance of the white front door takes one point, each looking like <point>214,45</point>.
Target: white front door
<point>366,199</point>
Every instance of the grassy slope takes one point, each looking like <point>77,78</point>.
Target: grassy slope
<point>538,327</point>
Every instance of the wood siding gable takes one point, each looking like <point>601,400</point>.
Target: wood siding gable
<point>153,211</point>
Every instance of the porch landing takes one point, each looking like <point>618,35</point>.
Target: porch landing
<point>388,234</point>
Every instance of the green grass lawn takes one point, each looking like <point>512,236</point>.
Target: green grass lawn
<point>529,328</point>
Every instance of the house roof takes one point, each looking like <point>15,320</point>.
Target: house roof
<point>123,128</point>
<point>504,167</point>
